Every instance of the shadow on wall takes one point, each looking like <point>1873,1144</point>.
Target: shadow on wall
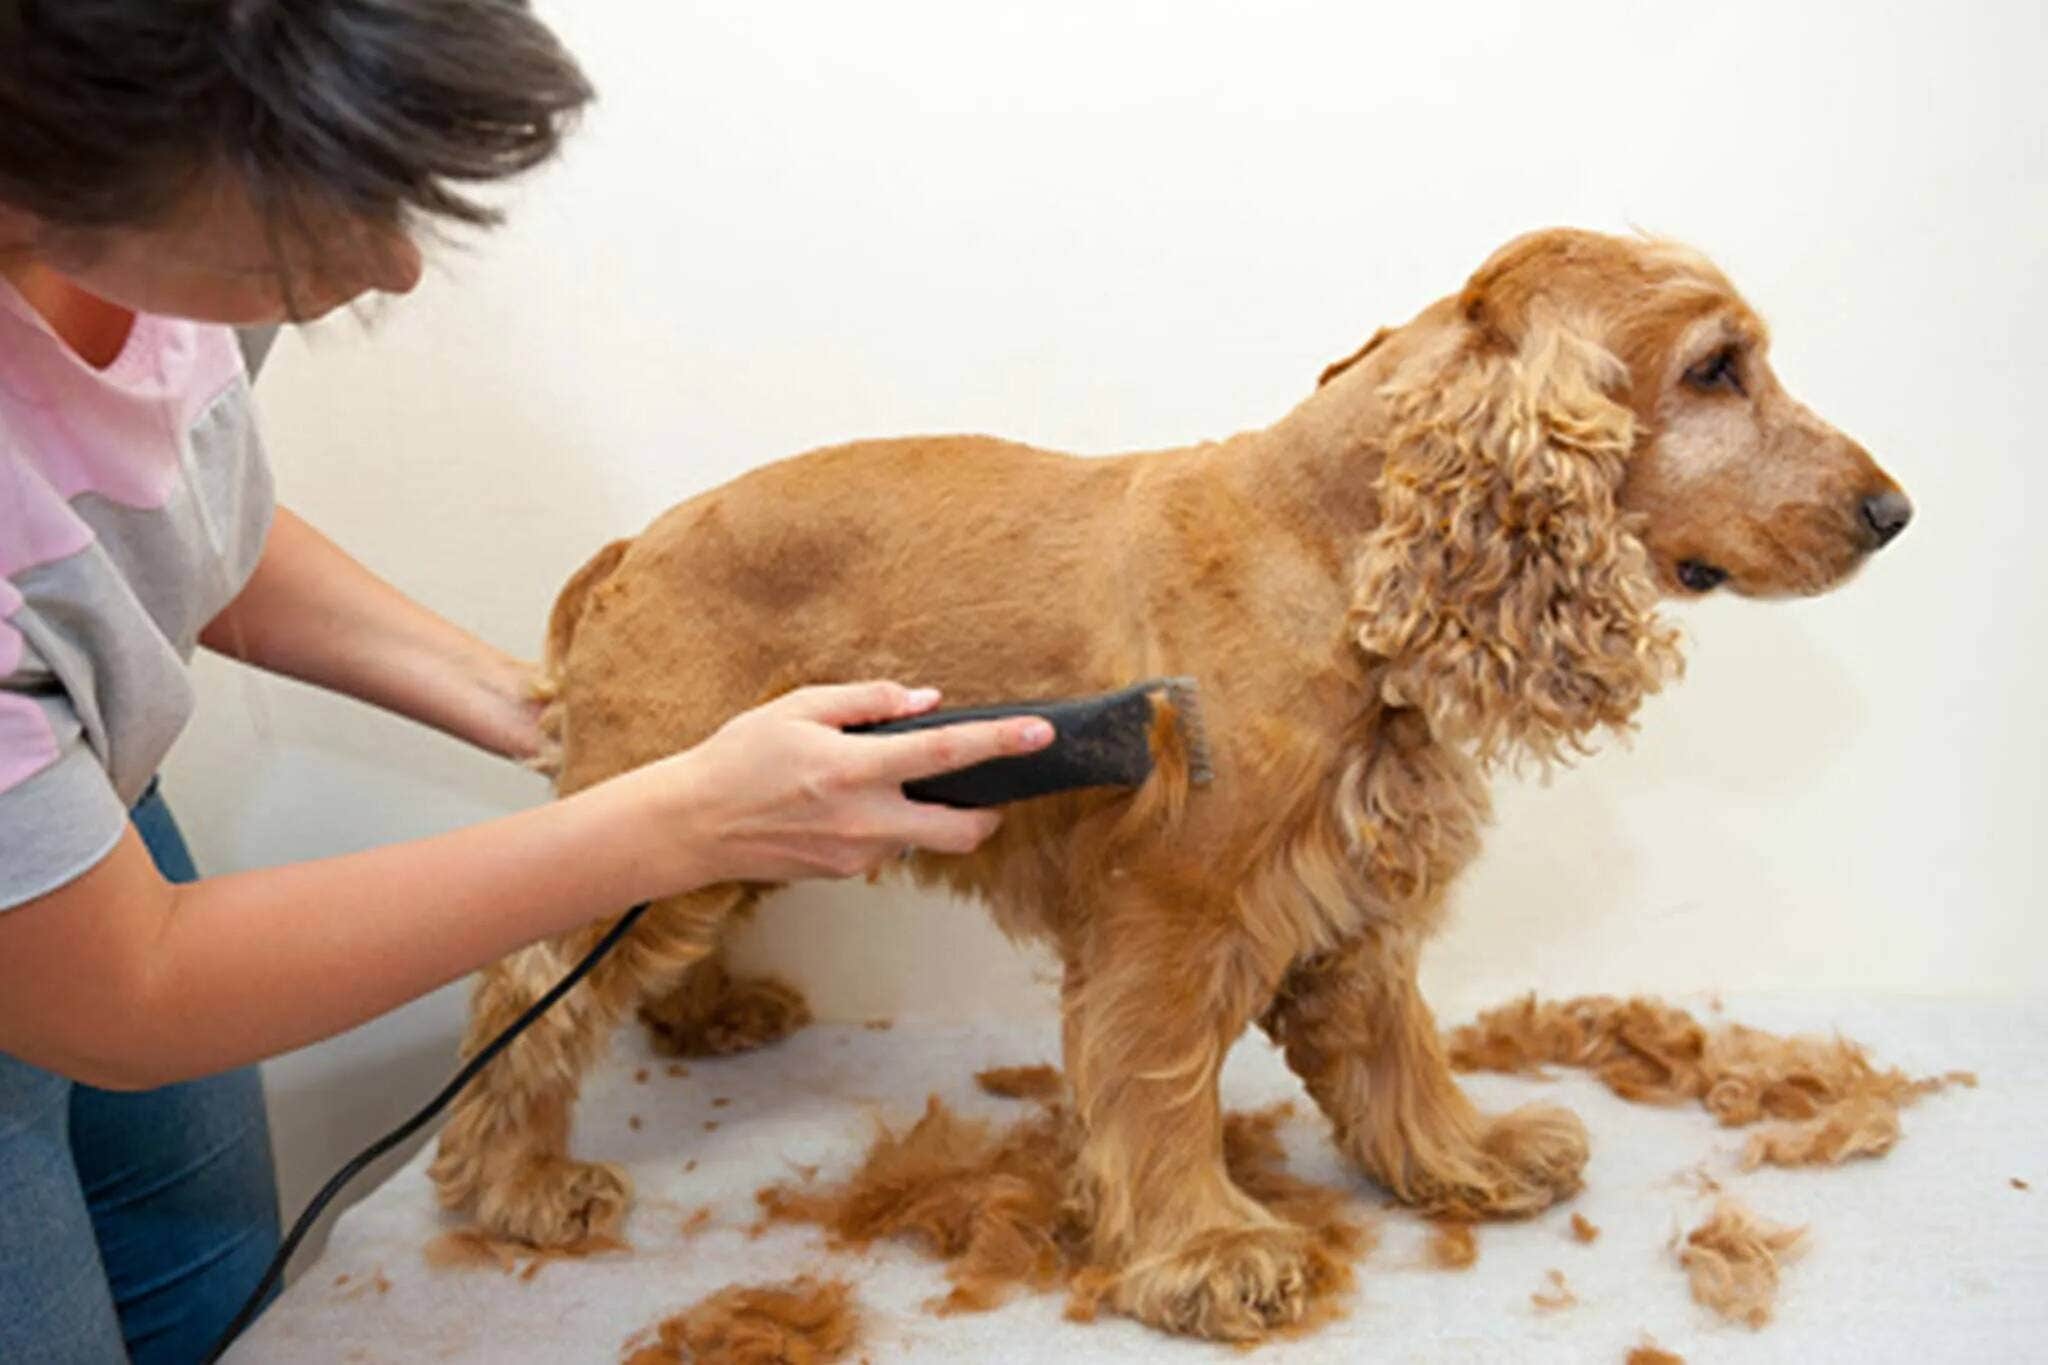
<point>877,952</point>
<point>1632,870</point>
<point>1763,709</point>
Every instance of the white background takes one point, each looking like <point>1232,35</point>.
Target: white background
<point>1103,226</point>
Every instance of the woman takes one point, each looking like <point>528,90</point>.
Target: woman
<point>170,168</point>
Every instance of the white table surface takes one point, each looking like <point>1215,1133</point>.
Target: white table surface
<point>1928,1254</point>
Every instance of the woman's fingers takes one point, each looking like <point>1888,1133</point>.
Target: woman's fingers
<point>863,703</point>
<point>949,748</point>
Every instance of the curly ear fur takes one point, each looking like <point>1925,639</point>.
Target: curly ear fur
<point>1509,600</point>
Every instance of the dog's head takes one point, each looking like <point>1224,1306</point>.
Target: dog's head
<point>1590,424</point>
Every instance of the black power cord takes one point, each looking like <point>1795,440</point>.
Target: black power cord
<point>275,1271</point>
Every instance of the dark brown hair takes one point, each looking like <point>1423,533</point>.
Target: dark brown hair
<point>383,110</point>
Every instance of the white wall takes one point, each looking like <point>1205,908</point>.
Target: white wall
<point>1108,225</point>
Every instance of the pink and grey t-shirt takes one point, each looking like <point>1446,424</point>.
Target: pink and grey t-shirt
<point>134,502</point>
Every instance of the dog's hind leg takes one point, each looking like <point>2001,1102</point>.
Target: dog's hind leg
<point>712,1013</point>
<point>1357,1032</point>
<point>505,1151</point>
<point>1156,993</point>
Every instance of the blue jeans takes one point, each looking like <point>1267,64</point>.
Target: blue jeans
<point>131,1225</point>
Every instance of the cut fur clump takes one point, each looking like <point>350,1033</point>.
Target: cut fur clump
<point>800,1322</point>
<point>1650,1353</point>
<point>1555,1294</point>
<point>1453,1246</point>
<point>1041,1083</point>
<point>1832,1102</point>
<point>714,1014</point>
<point>1733,1261</point>
<point>987,1203</point>
<point>378,1283</point>
<point>1864,1125</point>
<point>1584,1229</point>
<point>994,1204</point>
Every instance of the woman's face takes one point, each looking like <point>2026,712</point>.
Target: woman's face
<point>214,260</point>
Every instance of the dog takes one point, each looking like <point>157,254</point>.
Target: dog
<point>1447,559</point>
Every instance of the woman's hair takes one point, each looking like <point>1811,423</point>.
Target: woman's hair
<point>112,111</point>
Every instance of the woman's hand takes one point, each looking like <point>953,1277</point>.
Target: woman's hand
<point>780,793</point>
<point>506,719</point>
<point>311,612</point>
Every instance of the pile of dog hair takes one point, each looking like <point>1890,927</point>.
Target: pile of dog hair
<point>801,1322</point>
<point>1827,1100</point>
<point>990,1202</point>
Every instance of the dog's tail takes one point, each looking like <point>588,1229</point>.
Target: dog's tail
<point>562,623</point>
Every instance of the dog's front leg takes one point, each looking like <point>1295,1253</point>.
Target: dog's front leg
<point>1156,992</point>
<point>1357,1032</point>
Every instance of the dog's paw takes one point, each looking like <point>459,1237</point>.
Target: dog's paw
<point>746,1013</point>
<point>1236,1284</point>
<point>556,1204</point>
<point>1544,1146</point>
<point>1526,1161</point>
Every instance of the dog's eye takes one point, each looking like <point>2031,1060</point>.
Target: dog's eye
<point>1717,371</point>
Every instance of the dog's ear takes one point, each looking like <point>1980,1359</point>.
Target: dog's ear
<point>1501,587</point>
<point>1337,367</point>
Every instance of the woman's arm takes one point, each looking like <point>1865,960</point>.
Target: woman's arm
<point>313,613</point>
<point>123,980</point>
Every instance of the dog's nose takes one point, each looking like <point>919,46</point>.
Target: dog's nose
<point>1886,514</point>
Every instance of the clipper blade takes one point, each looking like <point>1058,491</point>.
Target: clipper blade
<point>1184,694</point>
